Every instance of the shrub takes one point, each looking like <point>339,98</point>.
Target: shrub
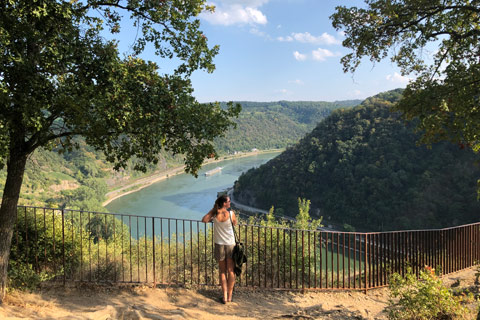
<point>22,276</point>
<point>40,240</point>
<point>423,298</point>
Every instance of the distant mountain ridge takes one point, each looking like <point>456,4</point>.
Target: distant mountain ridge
<point>361,167</point>
<point>307,112</point>
<point>272,125</point>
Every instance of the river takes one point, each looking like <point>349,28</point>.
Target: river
<point>184,196</point>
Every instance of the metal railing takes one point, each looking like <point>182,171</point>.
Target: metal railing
<point>72,245</point>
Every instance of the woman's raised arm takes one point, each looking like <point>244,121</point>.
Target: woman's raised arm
<point>209,216</point>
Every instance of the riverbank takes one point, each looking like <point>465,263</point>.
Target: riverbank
<point>138,184</point>
<point>243,207</point>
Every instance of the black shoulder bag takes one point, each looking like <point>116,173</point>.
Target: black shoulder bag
<point>239,257</point>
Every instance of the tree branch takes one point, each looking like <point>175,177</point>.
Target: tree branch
<point>117,4</point>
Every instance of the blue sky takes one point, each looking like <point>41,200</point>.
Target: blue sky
<point>274,50</point>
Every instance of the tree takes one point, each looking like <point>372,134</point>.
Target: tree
<point>60,78</point>
<point>303,220</point>
<point>445,94</point>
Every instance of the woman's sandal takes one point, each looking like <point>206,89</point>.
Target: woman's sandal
<point>222,300</point>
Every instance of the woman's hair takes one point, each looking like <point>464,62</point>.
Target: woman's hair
<point>220,202</point>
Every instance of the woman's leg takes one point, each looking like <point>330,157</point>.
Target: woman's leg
<point>222,267</point>
<point>231,278</point>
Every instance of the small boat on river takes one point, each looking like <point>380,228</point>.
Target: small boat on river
<point>213,171</point>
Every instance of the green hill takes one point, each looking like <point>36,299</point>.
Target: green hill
<point>273,125</point>
<point>362,167</point>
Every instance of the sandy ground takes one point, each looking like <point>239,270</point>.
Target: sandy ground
<point>96,302</point>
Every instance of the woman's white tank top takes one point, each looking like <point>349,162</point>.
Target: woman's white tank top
<point>223,231</point>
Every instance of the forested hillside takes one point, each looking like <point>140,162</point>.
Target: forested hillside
<point>272,125</point>
<point>79,179</point>
<point>362,167</point>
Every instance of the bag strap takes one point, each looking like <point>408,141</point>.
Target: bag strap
<point>233,228</point>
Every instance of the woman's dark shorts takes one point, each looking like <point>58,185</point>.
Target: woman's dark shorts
<point>223,251</point>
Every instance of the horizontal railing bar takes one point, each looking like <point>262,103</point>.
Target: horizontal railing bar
<point>253,225</point>
<point>258,226</point>
<point>107,213</point>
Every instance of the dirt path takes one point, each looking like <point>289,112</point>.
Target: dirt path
<point>94,302</point>
<point>85,302</point>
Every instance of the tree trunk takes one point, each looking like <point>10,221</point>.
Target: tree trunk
<point>8,209</point>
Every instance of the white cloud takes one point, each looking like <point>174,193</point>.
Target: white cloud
<point>256,15</point>
<point>259,33</point>
<point>283,92</point>
<point>248,3</point>
<point>299,56</point>
<point>398,78</point>
<point>306,37</point>
<point>296,81</point>
<point>322,54</point>
<point>285,39</point>
<point>236,12</point>
<point>318,55</point>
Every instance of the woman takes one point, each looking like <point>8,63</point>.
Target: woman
<point>224,239</point>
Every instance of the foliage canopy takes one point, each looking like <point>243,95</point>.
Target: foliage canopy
<point>445,94</point>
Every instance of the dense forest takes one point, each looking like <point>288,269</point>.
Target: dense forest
<point>361,168</point>
<point>273,125</point>
<point>80,179</point>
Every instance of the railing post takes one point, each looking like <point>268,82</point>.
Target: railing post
<point>343,260</point>
<point>63,247</point>
<point>338,260</point>
<point>184,255</point>
<point>278,257</point>
<point>114,249</point>
<point>365,245</point>
<point>154,258</point>
<point>37,267</point>
<point>331,259</point>
<point>53,232</point>
<point>191,252</point>
<point>303,261</point>
<point>296,259</point>
<point>26,234</point>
